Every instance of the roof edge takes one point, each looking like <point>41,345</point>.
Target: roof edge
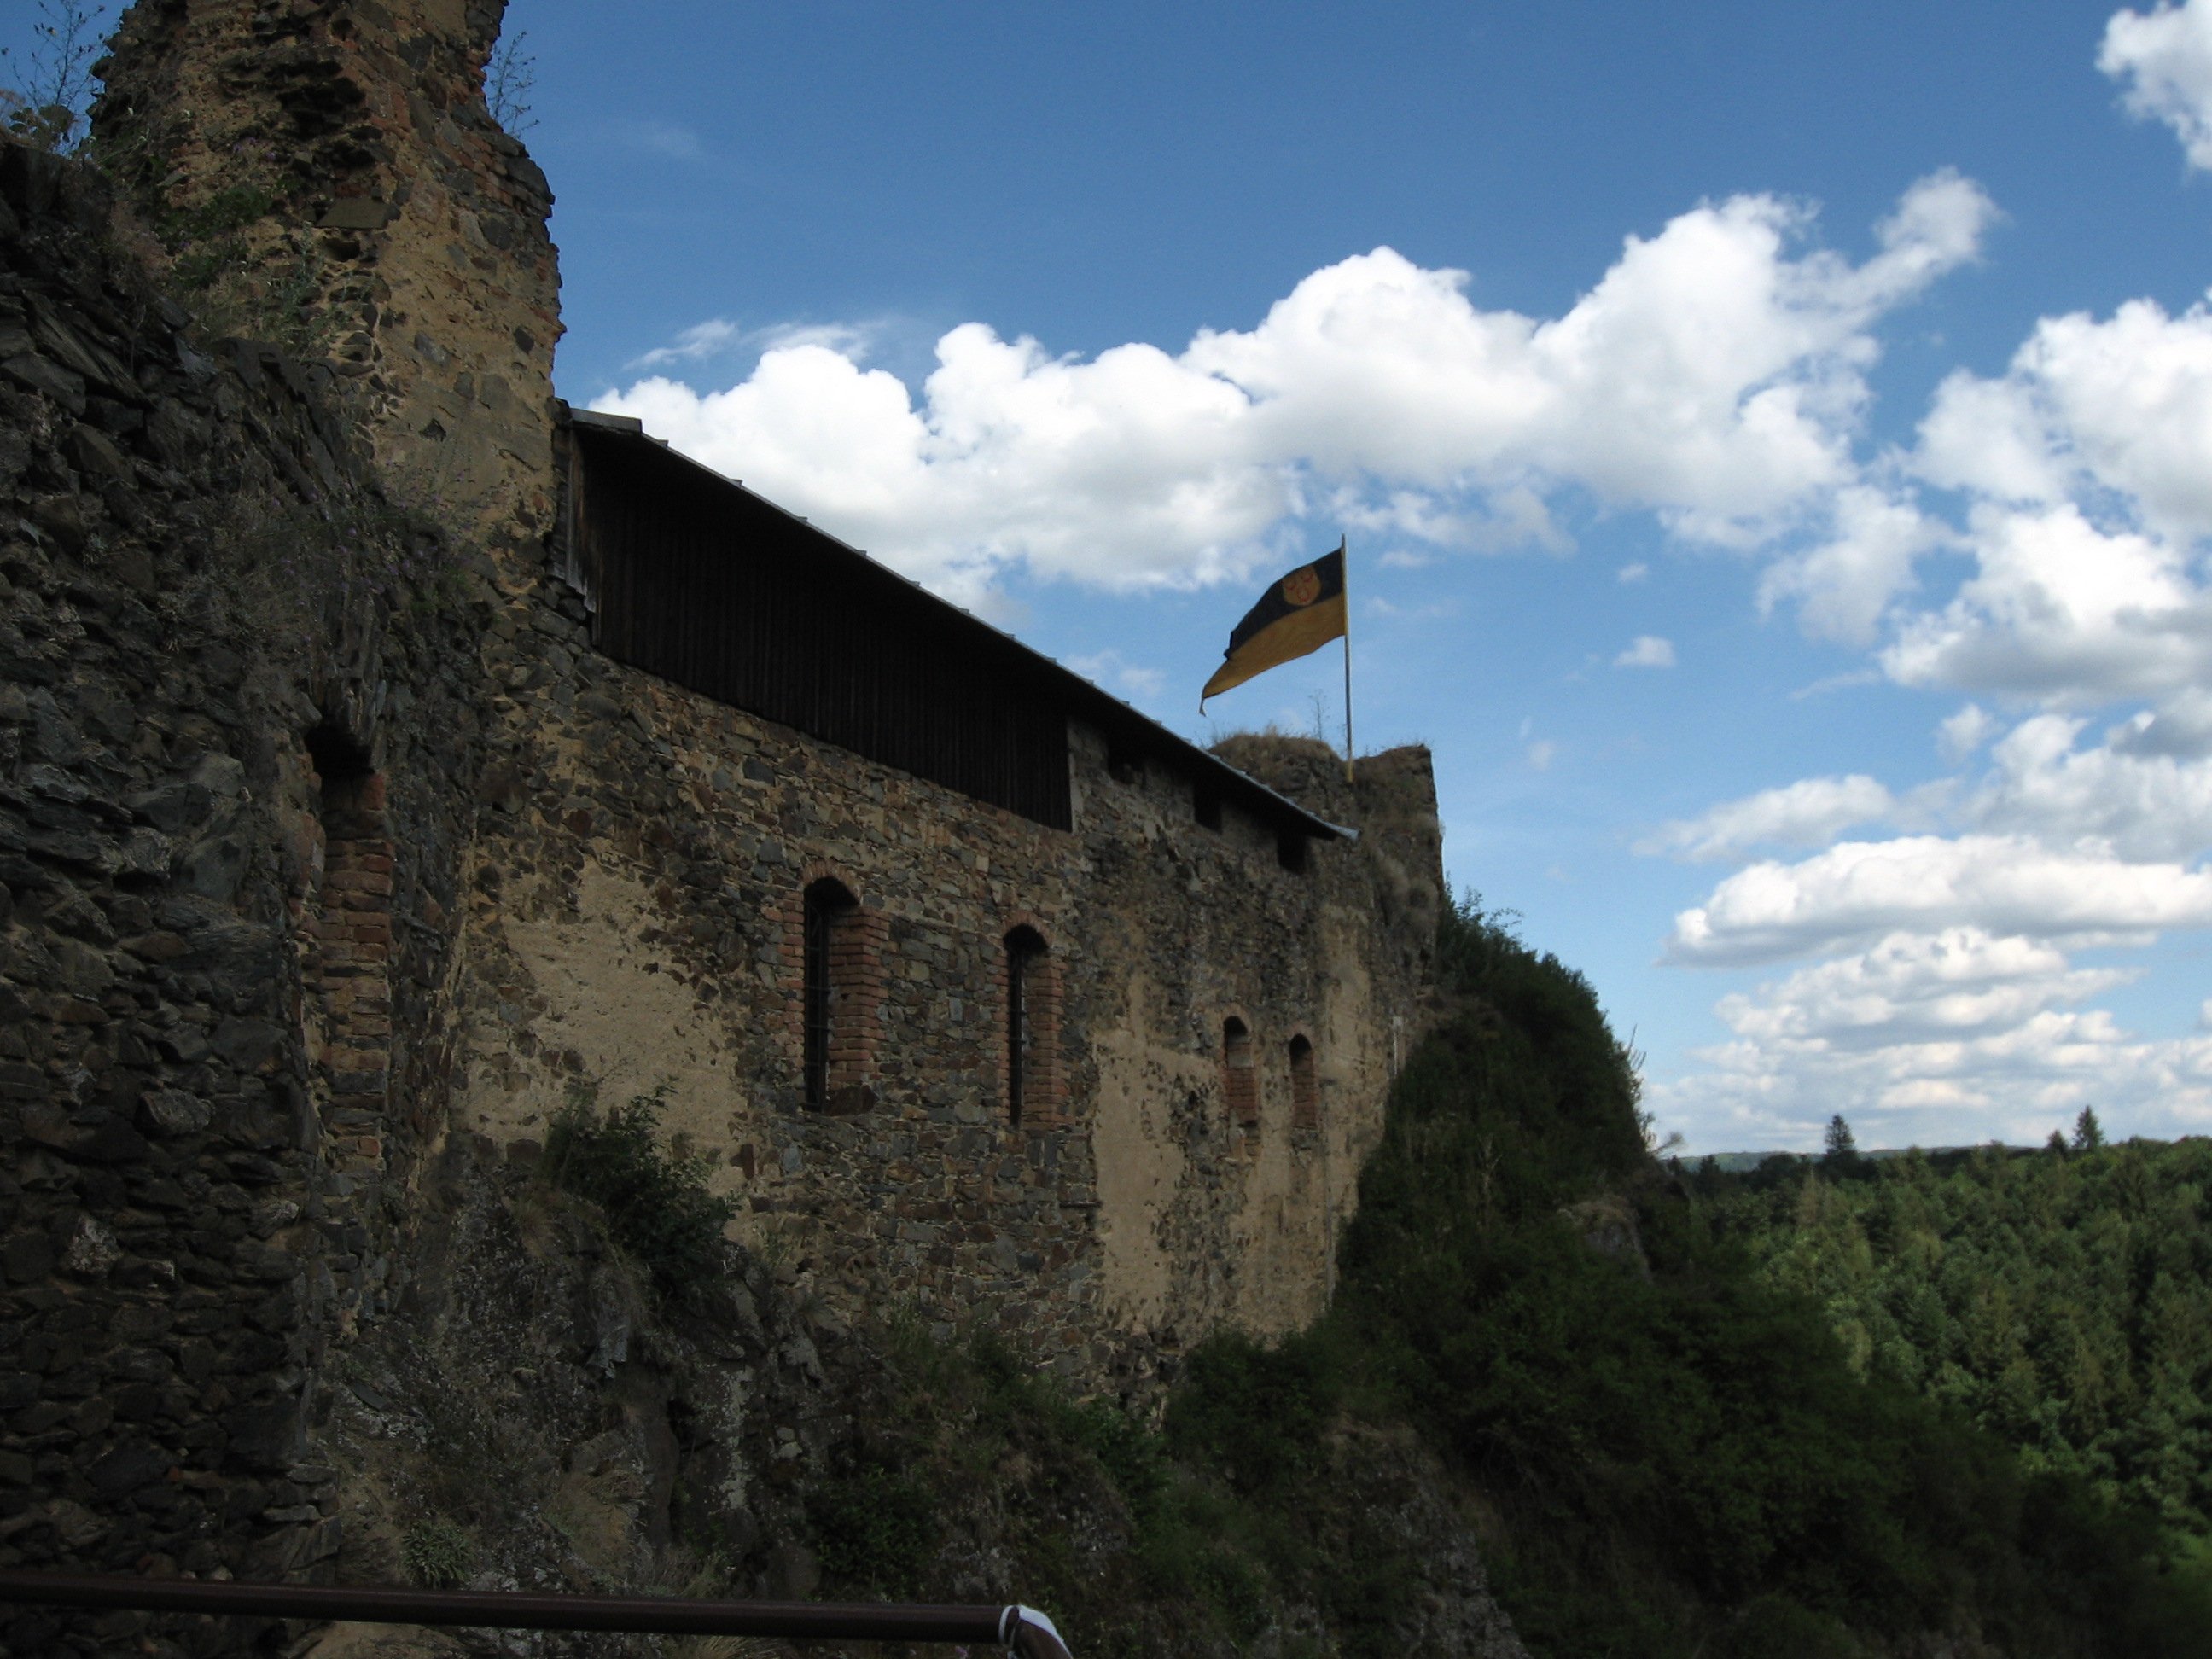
<point>1101,701</point>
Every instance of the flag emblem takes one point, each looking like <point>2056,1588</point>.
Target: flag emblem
<point>1301,612</point>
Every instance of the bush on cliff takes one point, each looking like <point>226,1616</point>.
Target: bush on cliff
<point>657,1202</point>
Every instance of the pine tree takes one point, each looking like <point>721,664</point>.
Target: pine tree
<point>1842,1151</point>
<point>2089,1134</point>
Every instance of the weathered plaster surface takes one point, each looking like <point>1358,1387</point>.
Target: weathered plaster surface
<point>633,927</point>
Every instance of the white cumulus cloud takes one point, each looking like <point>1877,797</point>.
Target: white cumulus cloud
<point>1844,583</point>
<point>1716,374</point>
<point>1964,732</point>
<point>2008,884</point>
<point>1937,1037</point>
<point>1806,813</point>
<point>1934,1064</point>
<point>1647,650</point>
<point>2165,58</point>
<point>2123,404</point>
<point>1952,985</point>
<point>2062,611</point>
<point>2151,806</point>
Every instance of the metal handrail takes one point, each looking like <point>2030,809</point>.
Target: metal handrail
<point>1023,1630</point>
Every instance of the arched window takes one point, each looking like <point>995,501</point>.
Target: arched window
<point>1240,1083</point>
<point>350,969</point>
<point>1306,1091</point>
<point>828,914</point>
<point>1028,1021</point>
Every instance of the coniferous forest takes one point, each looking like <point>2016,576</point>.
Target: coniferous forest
<point>2060,1300</point>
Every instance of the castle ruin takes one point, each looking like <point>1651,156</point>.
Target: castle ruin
<point>984,994</point>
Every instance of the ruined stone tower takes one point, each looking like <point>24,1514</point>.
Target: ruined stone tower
<point>392,211</point>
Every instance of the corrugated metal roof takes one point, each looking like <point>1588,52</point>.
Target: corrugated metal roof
<point>1126,730</point>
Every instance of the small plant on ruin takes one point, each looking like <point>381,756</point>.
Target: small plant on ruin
<point>657,1202</point>
<point>242,276</point>
<point>48,89</point>
<point>437,1554</point>
<point>304,577</point>
<point>509,78</point>
<point>877,1529</point>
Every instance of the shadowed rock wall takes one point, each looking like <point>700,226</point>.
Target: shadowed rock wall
<point>200,1203</point>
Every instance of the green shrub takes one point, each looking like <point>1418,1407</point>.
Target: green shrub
<point>877,1530</point>
<point>657,1203</point>
<point>437,1554</point>
<point>1259,1414</point>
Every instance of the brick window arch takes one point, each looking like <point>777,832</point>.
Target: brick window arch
<point>1305,1086</point>
<point>825,910</point>
<point>1240,1078</point>
<point>1032,1076</point>
<point>840,959</point>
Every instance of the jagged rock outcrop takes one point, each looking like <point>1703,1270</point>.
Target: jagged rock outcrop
<point>380,198</point>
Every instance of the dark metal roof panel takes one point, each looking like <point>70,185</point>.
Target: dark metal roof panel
<point>1123,727</point>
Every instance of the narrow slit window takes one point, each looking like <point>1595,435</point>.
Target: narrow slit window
<point>1205,807</point>
<point>1026,996</point>
<point>1291,852</point>
<point>828,906</point>
<point>1305,1090</point>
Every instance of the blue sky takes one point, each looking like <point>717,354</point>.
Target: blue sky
<point>1775,443</point>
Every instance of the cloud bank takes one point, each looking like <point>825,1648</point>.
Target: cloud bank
<point>1943,988</point>
<point>1715,375</point>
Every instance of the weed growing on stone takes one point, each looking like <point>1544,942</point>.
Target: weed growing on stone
<point>437,1554</point>
<point>656,1201</point>
<point>240,280</point>
<point>509,79</point>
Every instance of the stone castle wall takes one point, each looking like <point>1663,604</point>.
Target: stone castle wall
<point>203,1195</point>
<point>320,842</point>
<point>634,907</point>
<point>634,925</point>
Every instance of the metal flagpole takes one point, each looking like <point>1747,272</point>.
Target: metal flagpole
<point>1340,545</point>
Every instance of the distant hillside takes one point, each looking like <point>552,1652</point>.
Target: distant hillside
<point>1745,1162</point>
<point>2061,1298</point>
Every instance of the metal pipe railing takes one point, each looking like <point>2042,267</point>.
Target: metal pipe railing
<point>1023,1630</point>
